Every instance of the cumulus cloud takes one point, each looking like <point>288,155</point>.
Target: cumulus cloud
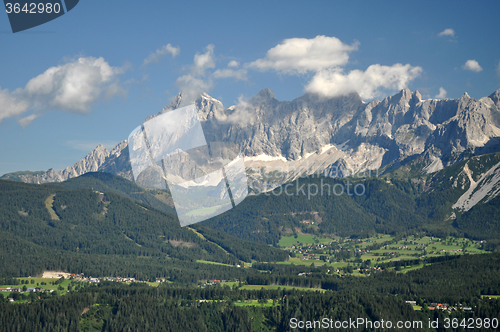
<point>191,87</point>
<point>301,55</point>
<point>333,82</point>
<point>166,49</point>
<point>72,87</point>
<point>28,119</point>
<point>204,61</point>
<point>11,104</point>
<point>240,74</point>
<point>447,32</point>
<point>233,64</point>
<point>326,58</point>
<point>197,82</point>
<point>472,65</point>
<point>241,114</point>
<point>442,93</point>
<point>200,77</point>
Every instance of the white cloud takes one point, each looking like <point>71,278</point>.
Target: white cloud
<point>447,32</point>
<point>192,86</point>
<point>333,82</point>
<point>204,61</point>
<point>166,49</point>
<point>472,65</point>
<point>442,93</point>
<point>11,104</point>
<point>196,82</point>
<point>325,57</point>
<point>242,113</point>
<point>233,64</point>
<point>300,55</point>
<point>240,74</point>
<point>28,119</point>
<point>72,87</point>
<point>200,79</point>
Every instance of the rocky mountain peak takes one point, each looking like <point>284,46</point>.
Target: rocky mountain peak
<point>406,93</point>
<point>495,96</point>
<point>266,94</point>
<point>99,149</point>
<point>406,97</point>
<point>175,103</point>
<point>417,96</point>
<point>209,107</point>
<point>323,131</point>
<point>118,148</point>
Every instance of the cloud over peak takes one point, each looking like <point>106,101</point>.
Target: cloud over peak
<point>368,83</point>
<point>201,79</point>
<point>442,93</point>
<point>204,61</point>
<point>325,57</point>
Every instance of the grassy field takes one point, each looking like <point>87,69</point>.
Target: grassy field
<point>490,296</point>
<point>255,303</point>
<point>203,211</point>
<point>298,261</point>
<point>49,204</point>
<point>288,241</point>
<point>433,247</point>
<point>414,267</point>
<point>258,287</point>
<point>214,263</point>
<point>391,249</point>
<point>37,282</point>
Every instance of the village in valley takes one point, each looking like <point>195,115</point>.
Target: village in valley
<point>341,256</point>
<point>363,256</point>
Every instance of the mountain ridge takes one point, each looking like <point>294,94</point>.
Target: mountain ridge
<point>335,136</point>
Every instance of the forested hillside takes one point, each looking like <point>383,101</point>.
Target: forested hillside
<point>50,227</point>
<point>109,306</point>
<point>399,201</point>
<point>106,182</point>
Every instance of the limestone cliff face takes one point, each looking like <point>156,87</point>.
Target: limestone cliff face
<point>343,134</point>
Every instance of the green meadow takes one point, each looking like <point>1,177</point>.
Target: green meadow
<point>258,287</point>
<point>390,249</point>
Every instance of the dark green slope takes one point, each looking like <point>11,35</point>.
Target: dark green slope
<point>481,219</point>
<point>385,208</point>
<point>106,182</point>
<point>21,257</point>
<point>84,222</point>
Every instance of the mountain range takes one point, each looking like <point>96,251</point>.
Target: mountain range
<point>337,137</point>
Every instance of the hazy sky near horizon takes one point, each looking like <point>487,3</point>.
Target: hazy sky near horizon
<point>94,74</point>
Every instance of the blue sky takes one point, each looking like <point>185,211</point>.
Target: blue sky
<point>94,74</point>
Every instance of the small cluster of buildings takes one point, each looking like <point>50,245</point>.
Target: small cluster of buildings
<point>215,282</point>
<point>28,289</point>
<point>81,277</point>
<point>443,306</point>
<point>446,307</point>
